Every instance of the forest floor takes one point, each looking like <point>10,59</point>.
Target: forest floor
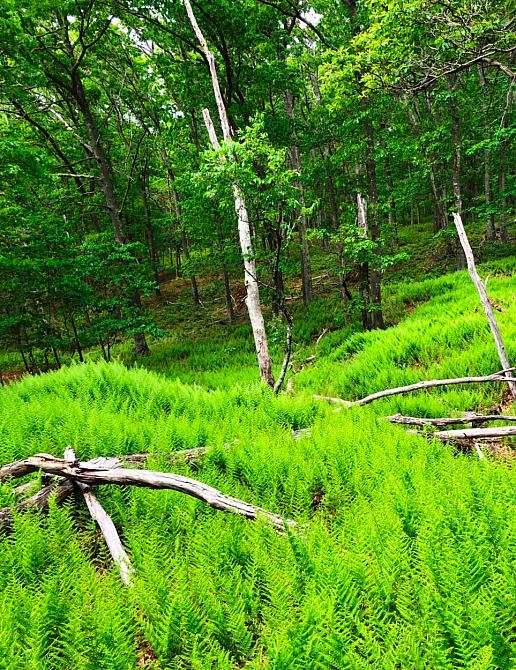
<point>406,559</point>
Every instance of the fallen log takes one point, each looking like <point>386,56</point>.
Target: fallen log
<point>94,473</point>
<point>107,527</point>
<point>470,433</point>
<point>39,501</point>
<point>496,377</point>
<point>25,466</point>
<point>468,417</point>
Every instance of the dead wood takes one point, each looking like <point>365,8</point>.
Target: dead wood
<point>470,433</point>
<point>38,501</point>
<point>484,298</point>
<point>98,471</point>
<point>496,377</point>
<point>468,417</point>
<point>107,527</point>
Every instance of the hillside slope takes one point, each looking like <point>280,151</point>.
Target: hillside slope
<point>406,558</point>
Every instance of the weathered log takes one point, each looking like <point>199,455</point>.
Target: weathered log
<point>25,466</point>
<point>94,475</point>
<point>484,299</point>
<point>107,527</point>
<point>470,433</point>
<point>468,417</point>
<point>23,489</point>
<point>496,377</point>
<point>40,500</point>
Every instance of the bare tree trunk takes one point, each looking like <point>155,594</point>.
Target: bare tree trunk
<point>107,527</point>
<point>94,473</point>
<point>244,229</point>
<point>493,324</point>
<point>364,267</point>
<point>501,376</point>
<point>306,267</point>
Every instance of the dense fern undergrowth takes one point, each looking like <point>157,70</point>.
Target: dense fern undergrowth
<point>407,554</point>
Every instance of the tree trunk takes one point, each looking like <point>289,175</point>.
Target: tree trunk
<point>376,314</point>
<point>456,167</point>
<point>149,231</point>
<point>140,343</point>
<point>488,191</point>
<point>244,229</point>
<point>364,267</point>
<point>295,159</point>
<point>193,281</point>
<point>76,339</point>
<point>438,195</point>
<point>501,177</point>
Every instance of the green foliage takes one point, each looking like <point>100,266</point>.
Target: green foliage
<point>406,558</point>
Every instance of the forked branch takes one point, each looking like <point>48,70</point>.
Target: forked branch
<point>99,471</point>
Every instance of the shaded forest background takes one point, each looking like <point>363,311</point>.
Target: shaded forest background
<point>358,127</point>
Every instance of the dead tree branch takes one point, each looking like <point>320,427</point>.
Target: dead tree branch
<point>484,298</point>
<point>99,471</point>
<point>107,527</point>
<point>470,433</point>
<point>469,417</point>
<point>501,376</point>
<point>38,501</point>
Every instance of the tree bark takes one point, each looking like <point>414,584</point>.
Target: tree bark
<point>364,287</point>
<point>95,474</point>
<point>471,433</point>
<point>375,310</point>
<point>244,229</point>
<point>295,159</point>
<point>469,417</point>
<point>107,527</point>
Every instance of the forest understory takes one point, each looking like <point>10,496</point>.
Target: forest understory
<point>257,335</point>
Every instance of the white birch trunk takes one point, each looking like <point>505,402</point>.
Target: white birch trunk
<point>244,231</point>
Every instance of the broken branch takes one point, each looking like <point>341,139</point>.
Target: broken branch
<point>496,377</point>
<point>470,433</point>
<point>93,474</point>
<point>107,527</point>
<point>469,417</point>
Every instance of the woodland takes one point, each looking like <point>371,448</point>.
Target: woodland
<point>257,334</point>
